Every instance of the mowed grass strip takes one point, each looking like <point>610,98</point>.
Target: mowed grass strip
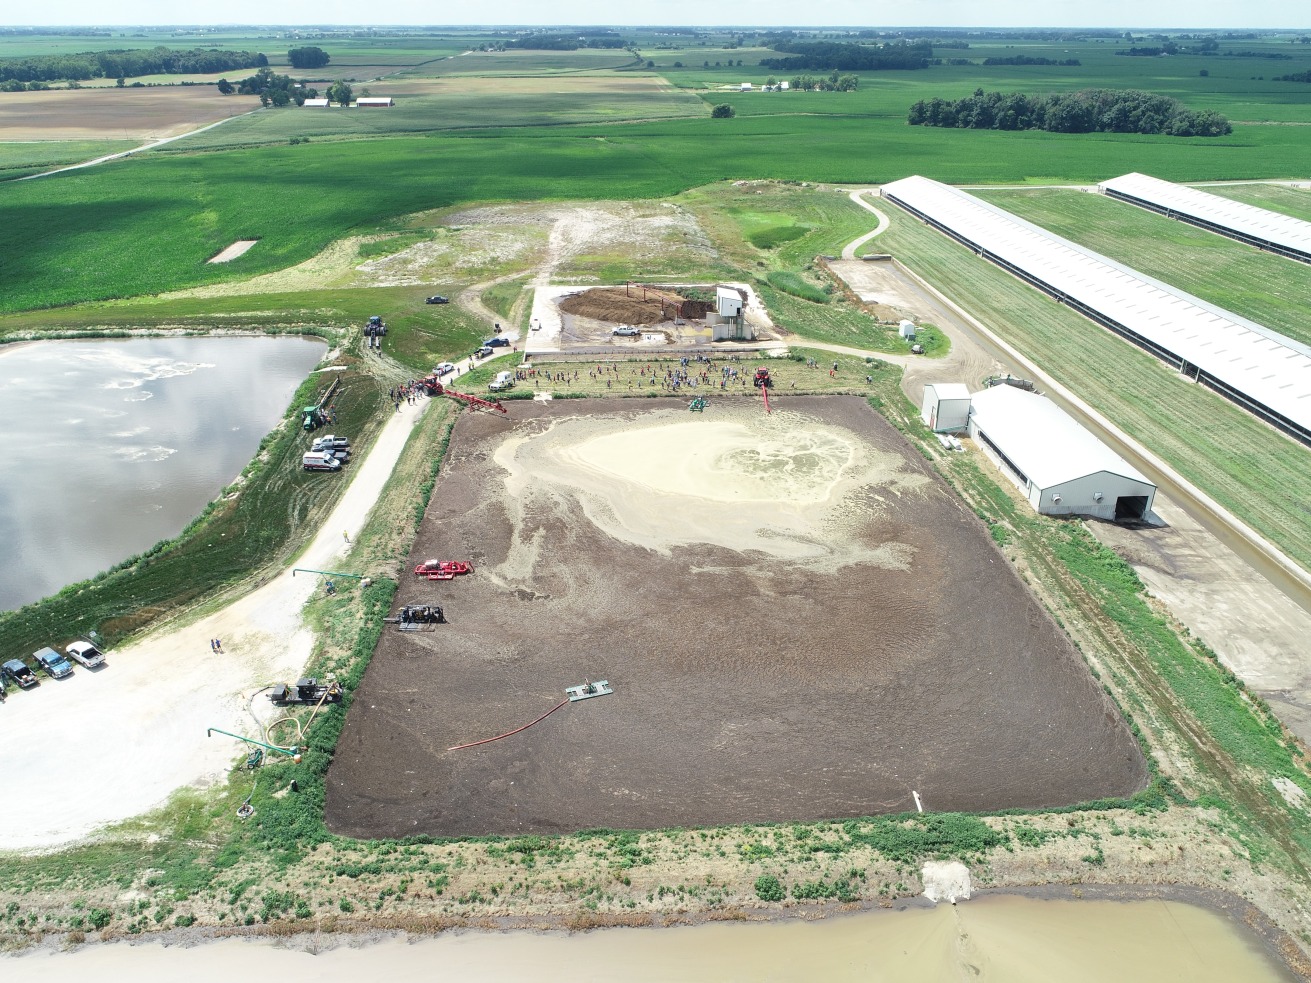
<point>1258,474</point>
<point>1263,287</point>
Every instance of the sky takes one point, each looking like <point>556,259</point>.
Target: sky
<point>833,13</point>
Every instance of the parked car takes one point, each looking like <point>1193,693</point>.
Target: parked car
<point>627,331</point>
<point>503,381</point>
<point>16,669</point>
<point>438,299</point>
<point>86,654</point>
<point>446,368</point>
<point>484,352</point>
<point>497,343</point>
<point>55,665</point>
<point>330,442</point>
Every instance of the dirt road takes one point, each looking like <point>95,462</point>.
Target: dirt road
<point>108,745</point>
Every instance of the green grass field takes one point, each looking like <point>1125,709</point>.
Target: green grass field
<point>19,159</point>
<point>1245,465</point>
<point>145,226</point>
<point>1268,289</point>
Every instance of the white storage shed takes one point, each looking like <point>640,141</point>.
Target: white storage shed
<point>374,102</point>
<point>728,302</point>
<point>316,104</point>
<point>946,406</point>
<point>1061,467</point>
<point>907,330</point>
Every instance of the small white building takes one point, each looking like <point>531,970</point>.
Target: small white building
<point>728,321</point>
<point>907,330</point>
<point>373,102</point>
<point>316,104</point>
<point>728,302</point>
<point>784,85</point>
<point>946,406</point>
<point>1061,467</point>
<point>745,87</point>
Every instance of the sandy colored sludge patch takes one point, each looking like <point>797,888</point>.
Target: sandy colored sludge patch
<point>799,619</point>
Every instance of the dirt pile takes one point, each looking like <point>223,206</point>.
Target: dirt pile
<point>620,305</point>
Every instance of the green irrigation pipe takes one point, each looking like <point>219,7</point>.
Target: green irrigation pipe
<point>293,754</point>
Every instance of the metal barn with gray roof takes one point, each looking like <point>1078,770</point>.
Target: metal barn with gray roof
<point>1271,231</point>
<point>1061,467</point>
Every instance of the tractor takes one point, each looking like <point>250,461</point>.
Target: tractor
<point>761,379</point>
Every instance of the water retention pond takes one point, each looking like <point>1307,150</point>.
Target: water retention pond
<point>109,446</point>
<point>1004,939</point>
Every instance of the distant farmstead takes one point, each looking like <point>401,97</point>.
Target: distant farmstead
<point>373,102</point>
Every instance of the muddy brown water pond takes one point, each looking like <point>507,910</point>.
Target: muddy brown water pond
<point>998,938</point>
<point>110,445</point>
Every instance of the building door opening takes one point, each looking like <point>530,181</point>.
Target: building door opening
<point>1130,507</point>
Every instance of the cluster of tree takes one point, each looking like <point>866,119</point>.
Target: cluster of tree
<point>1086,111</point>
<point>1031,60</point>
<point>723,111</point>
<point>1272,55</point>
<point>308,57</point>
<point>846,57</point>
<point>13,85</point>
<point>833,83</point>
<point>1299,77</point>
<point>277,90</point>
<point>126,64</point>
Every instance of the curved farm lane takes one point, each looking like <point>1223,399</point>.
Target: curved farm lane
<point>859,198</point>
<point>135,733</point>
<point>135,150</point>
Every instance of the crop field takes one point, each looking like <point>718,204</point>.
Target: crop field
<point>797,616</point>
<point>30,156</point>
<point>146,226</point>
<point>1244,464</point>
<point>503,63</point>
<point>1276,197</point>
<point>114,114</point>
<point>1266,288</point>
<point>425,105</point>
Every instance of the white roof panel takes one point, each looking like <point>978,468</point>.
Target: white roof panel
<point>1265,366</point>
<point>1042,440</point>
<point>950,390</point>
<point>1249,220</point>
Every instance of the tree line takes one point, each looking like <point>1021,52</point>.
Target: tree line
<point>1297,77</point>
<point>810,83</point>
<point>1031,60</point>
<point>1086,111</point>
<point>126,64</point>
<point>848,57</point>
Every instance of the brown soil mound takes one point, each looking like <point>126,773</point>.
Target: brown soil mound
<point>614,305</point>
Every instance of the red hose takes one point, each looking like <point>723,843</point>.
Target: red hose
<point>511,733</point>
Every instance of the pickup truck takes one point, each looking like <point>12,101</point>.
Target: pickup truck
<point>55,665</point>
<point>86,654</point>
<point>17,670</point>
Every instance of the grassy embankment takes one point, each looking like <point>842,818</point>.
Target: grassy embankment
<point>1266,288</point>
<point>1210,816</point>
<point>1255,472</point>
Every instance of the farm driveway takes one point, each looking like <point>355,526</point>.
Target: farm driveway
<point>126,737</point>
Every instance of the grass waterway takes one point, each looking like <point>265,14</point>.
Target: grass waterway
<point>998,938</point>
<point>112,445</point>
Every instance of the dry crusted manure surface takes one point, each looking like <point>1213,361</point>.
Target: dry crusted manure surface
<point>799,618</point>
